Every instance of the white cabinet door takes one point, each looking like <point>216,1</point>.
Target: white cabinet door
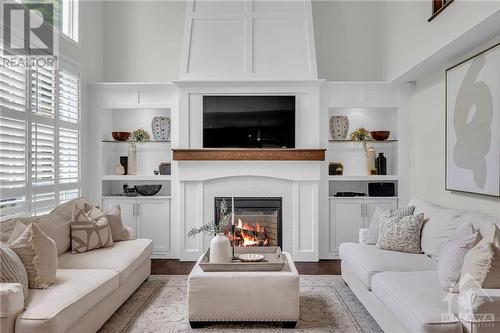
<point>346,218</point>
<point>129,217</point>
<point>372,204</point>
<point>154,224</point>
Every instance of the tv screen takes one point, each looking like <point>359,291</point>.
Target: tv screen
<point>249,121</point>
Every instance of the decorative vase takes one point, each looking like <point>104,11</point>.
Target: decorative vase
<point>339,126</point>
<point>119,170</point>
<point>132,160</point>
<point>370,156</point>
<point>381,164</point>
<point>220,250</point>
<point>160,127</point>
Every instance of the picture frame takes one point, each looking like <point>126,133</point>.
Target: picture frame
<point>472,124</point>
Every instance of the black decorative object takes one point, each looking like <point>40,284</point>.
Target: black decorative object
<point>165,168</point>
<point>381,164</point>
<point>129,191</point>
<point>124,163</point>
<point>147,190</point>
<point>335,168</point>
<point>381,189</point>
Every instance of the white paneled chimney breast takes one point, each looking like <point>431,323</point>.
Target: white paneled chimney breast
<point>249,40</point>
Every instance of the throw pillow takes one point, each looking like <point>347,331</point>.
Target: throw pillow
<point>400,233</point>
<point>90,231</point>
<point>38,254</point>
<point>118,231</point>
<point>481,268</point>
<point>452,257</point>
<point>12,269</point>
<point>373,228</point>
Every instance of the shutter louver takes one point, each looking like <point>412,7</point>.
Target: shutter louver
<point>68,96</point>
<point>68,156</point>
<point>42,154</point>
<point>43,92</point>
<point>68,195</point>
<point>12,86</point>
<point>43,203</point>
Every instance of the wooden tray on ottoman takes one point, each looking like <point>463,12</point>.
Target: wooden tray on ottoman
<point>273,261</point>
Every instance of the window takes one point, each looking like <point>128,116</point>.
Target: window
<point>65,16</point>
<point>39,138</point>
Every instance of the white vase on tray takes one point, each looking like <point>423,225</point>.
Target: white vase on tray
<point>220,250</point>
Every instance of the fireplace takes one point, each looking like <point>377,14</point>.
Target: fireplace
<point>257,221</point>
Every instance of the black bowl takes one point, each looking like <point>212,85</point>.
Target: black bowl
<point>147,190</point>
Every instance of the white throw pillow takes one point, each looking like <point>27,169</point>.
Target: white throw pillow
<point>118,230</point>
<point>451,258</point>
<point>400,234</point>
<point>373,228</point>
<point>38,254</point>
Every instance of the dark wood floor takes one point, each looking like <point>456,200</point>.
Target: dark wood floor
<point>176,267</point>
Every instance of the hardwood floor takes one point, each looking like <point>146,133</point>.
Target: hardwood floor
<point>176,267</point>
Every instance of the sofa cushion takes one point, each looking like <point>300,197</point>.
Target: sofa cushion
<point>123,257</point>
<point>75,292</point>
<point>366,260</point>
<point>440,224</point>
<point>417,300</point>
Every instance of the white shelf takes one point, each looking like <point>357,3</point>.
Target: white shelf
<point>137,177</point>
<point>364,178</point>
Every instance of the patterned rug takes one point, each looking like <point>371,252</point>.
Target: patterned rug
<point>159,305</point>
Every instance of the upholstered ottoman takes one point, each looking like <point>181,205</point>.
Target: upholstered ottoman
<point>244,296</point>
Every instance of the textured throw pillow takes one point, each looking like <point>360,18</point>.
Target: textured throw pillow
<point>38,254</point>
<point>90,231</point>
<point>481,268</point>
<point>12,269</point>
<point>452,257</point>
<point>400,233</point>
<point>373,228</point>
<point>118,230</point>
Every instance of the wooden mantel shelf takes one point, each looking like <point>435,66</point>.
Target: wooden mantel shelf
<point>249,154</point>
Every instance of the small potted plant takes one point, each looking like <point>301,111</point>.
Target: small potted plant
<point>366,158</point>
<point>220,247</point>
<point>137,136</point>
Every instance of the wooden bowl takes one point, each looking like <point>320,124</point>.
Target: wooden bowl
<point>380,135</point>
<point>120,136</point>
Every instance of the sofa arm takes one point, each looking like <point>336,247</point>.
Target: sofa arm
<point>362,235</point>
<point>11,304</point>
<point>480,307</point>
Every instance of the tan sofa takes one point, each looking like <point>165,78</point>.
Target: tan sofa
<point>402,291</point>
<point>89,288</point>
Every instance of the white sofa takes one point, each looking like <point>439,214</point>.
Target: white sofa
<point>402,291</point>
<point>89,288</point>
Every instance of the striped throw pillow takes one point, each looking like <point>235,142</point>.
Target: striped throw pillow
<point>12,269</point>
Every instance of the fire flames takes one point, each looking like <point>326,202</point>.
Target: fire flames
<point>250,235</point>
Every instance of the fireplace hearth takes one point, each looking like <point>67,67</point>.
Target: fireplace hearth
<point>257,221</point>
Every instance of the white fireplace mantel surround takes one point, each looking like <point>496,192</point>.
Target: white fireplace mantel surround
<point>295,182</point>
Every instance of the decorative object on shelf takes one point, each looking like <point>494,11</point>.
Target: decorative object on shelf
<point>119,170</point>
<point>120,136</point>
<point>124,163</point>
<point>381,189</point>
<point>129,191</point>
<point>161,128</point>
<point>349,194</point>
<point>220,246</point>
<point>381,164</point>
<point>370,157</point>
<point>165,168</point>
<point>251,257</point>
<point>339,126</point>
<point>156,172</point>
<point>361,135</point>
<point>472,125</point>
<point>138,136</point>
<point>148,190</point>
<point>380,135</point>
<point>335,168</point>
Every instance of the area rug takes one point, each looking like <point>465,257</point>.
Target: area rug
<point>159,305</point>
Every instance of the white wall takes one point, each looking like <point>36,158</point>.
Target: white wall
<point>408,39</point>
<point>428,144</point>
<point>143,40</point>
<point>348,40</point>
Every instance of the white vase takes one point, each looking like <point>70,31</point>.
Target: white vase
<point>220,250</point>
<point>132,160</point>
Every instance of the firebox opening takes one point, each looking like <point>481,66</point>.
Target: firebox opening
<point>257,221</point>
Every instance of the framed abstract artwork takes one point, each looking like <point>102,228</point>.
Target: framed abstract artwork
<point>473,124</point>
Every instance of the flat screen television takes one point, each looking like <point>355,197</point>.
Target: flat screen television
<point>248,121</point>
